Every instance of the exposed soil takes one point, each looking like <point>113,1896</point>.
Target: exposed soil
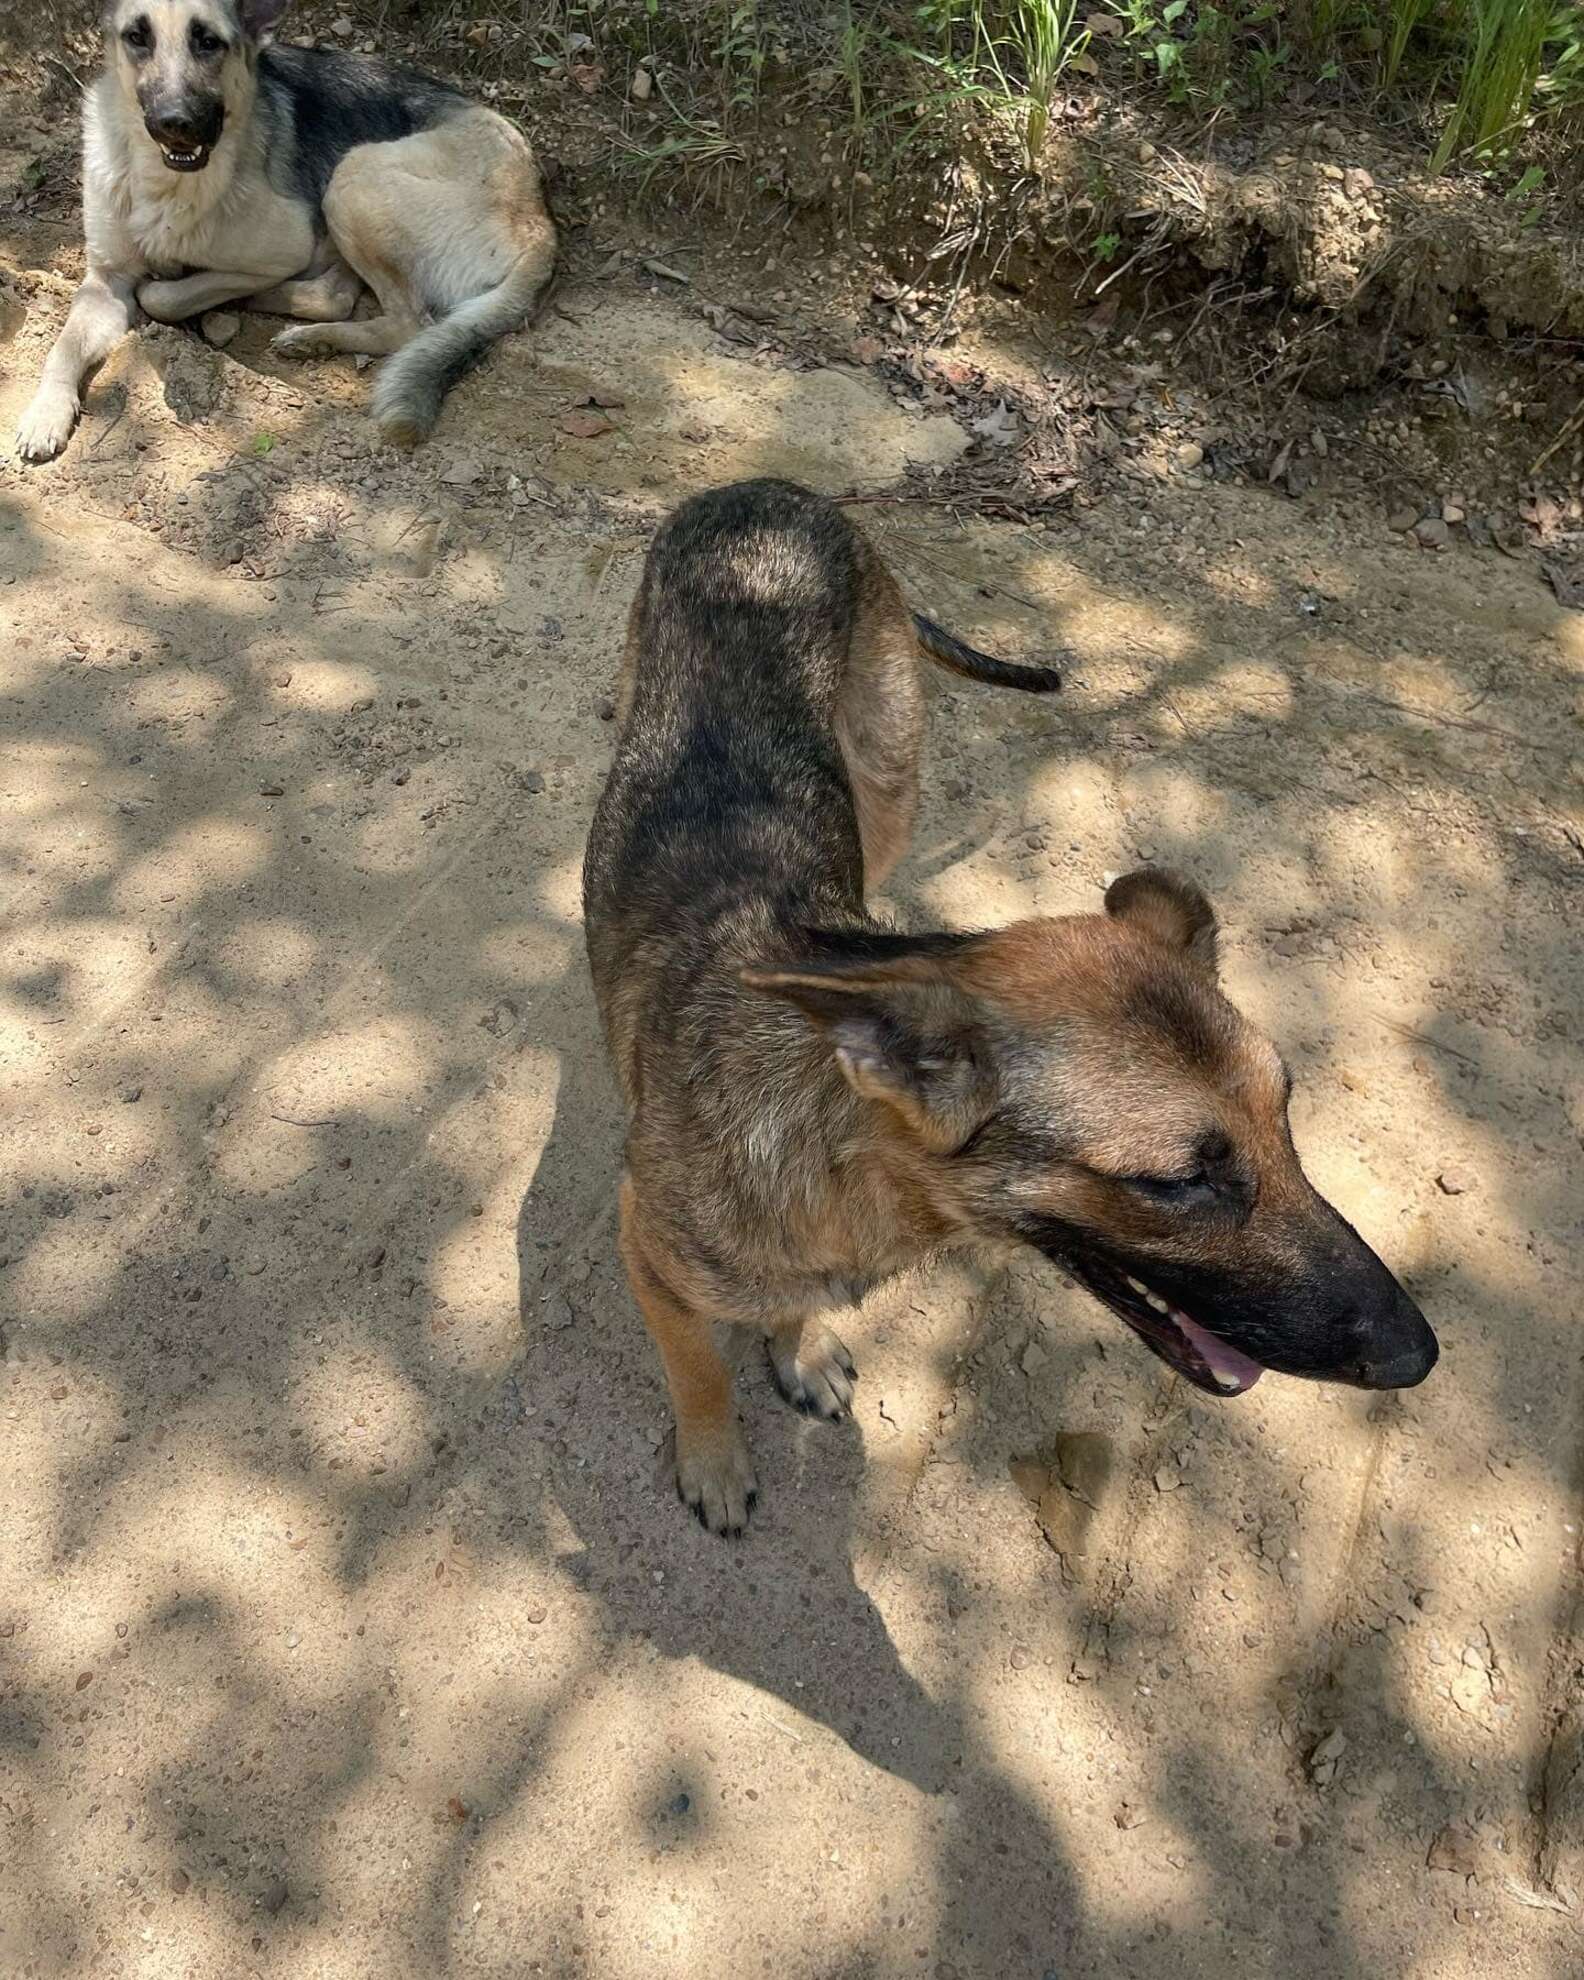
<point>347,1625</point>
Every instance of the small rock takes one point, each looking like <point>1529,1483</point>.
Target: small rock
<point>1432,532</point>
<point>532,782</point>
<point>1324,1757</point>
<point>463,473</point>
<point>1455,1182</point>
<point>1021,1657</point>
<point>274,1896</point>
<point>1456,1849</point>
<point>1402,520</point>
<point>1189,456</point>
<point>1356,182</point>
<point>341,25</point>
<point>605,708</point>
<point>272,790</point>
<point>1168,1479</point>
<point>558,1311</point>
<point>179,1881</point>
<point>666,272</point>
<point>642,85</point>
<point>1453,513</point>
<point>535,1613</point>
<point>1129,1817</point>
<point>1034,1358</point>
<point>219,327</point>
<point>679,1804</point>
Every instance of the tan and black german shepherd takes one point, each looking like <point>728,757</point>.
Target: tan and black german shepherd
<point>817,1101</point>
<point>219,167</point>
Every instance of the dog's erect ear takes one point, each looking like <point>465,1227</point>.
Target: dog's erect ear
<point>1167,907</point>
<point>902,1034</point>
<point>259,16</point>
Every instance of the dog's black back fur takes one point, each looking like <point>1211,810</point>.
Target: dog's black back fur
<point>728,785</point>
<point>322,103</point>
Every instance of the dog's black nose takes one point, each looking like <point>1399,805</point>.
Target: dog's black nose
<point>1401,1352</point>
<point>1401,1371</point>
<point>171,127</point>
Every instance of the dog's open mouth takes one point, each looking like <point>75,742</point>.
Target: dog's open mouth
<point>1206,1360</point>
<point>183,157</point>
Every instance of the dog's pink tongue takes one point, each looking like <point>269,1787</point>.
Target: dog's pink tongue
<point>1233,1372</point>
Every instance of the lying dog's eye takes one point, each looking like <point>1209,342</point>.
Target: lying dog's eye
<point>1172,1189</point>
<point>137,36</point>
<point>205,43</point>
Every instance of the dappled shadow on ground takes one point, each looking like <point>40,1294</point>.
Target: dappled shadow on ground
<point>349,1618</point>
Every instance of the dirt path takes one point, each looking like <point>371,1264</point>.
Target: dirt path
<point>345,1628</point>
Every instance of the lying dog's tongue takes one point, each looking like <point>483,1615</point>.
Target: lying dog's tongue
<point>1233,1372</point>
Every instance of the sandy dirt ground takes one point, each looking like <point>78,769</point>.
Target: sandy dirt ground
<point>347,1624</point>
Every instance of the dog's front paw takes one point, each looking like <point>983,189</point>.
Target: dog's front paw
<point>814,1371</point>
<point>46,425</point>
<point>716,1479</point>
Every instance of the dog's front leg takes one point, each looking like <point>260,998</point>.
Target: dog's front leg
<point>713,1472</point>
<point>174,300</point>
<point>100,315</point>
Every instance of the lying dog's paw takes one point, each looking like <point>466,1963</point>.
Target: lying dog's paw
<point>814,1371</point>
<point>303,340</point>
<point>46,425</point>
<point>717,1480</point>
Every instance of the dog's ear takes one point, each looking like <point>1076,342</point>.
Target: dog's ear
<point>1167,907</point>
<point>259,16</point>
<point>901,1032</point>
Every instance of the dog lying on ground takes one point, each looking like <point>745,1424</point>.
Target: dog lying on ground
<point>219,168</point>
<point>817,1102</point>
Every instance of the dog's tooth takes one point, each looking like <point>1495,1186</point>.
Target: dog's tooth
<point>1135,1284</point>
<point>1156,1301</point>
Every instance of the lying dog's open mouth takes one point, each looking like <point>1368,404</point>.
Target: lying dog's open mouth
<point>183,157</point>
<point>1206,1360</point>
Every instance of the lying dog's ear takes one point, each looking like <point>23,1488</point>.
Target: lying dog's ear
<point>259,16</point>
<point>902,1034</point>
<point>1169,908</point>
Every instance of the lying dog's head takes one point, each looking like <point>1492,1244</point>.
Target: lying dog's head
<point>188,66</point>
<point>1082,1085</point>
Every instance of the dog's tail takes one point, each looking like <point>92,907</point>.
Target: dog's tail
<point>412,383</point>
<point>951,652</point>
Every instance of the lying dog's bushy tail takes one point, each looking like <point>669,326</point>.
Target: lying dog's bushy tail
<point>413,382</point>
<point>951,652</point>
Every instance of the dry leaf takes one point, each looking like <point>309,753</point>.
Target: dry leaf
<point>584,423</point>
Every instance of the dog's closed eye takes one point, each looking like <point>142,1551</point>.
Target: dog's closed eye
<point>1175,1192</point>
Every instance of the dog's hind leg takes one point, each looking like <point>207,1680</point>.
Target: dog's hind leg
<point>880,717</point>
<point>373,336</point>
<point>328,297</point>
<point>713,1472</point>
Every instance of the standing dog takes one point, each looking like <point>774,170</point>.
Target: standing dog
<point>217,167</point>
<point>817,1102</point>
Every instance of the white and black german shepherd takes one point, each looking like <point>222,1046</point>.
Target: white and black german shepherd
<point>219,166</point>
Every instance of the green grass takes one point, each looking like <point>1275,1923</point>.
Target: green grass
<point>1481,79</point>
